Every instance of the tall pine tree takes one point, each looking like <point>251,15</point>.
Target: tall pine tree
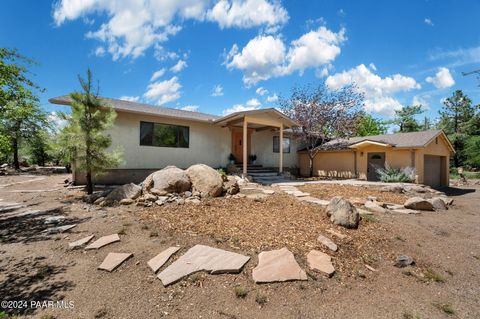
<point>90,117</point>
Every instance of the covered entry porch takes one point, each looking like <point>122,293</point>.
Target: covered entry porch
<point>245,126</point>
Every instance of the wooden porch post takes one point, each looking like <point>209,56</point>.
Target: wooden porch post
<point>280,168</point>
<point>245,148</point>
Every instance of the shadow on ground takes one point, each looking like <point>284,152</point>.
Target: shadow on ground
<point>453,191</point>
<point>27,228</point>
<point>31,279</point>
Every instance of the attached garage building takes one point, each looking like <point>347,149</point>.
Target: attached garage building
<point>428,152</point>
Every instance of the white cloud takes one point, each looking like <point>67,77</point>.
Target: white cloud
<point>378,91</point>
<point>458,57</point>
<point>261,91</point>
<point>157,74</point>
<point>252,104</point>
<point>248,13</point>
<point>163,92</point>
<point>181,64</point>
<point>421,100</point>
<point>428,21</point>
<point>57,121</point>
<point>217,90</point>
<point>272,98</point>
<point>100,51</point>
<point>191,108</point>
<point>134,26</point>
<point>266,56</point>
<point>259,60</point>
<point>442,79</point>
<point>130,98</point>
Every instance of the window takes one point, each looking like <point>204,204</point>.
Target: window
<point>164,135</point>
<point>276,143</point>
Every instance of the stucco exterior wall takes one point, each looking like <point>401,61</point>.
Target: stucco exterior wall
<point>209,144</point>
<point>341,164</point>
<point>262,146</point>
<point>329,164</point>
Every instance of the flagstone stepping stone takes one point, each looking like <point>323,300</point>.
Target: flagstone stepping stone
<point>327,242</point>
<point>113,260</point>
<point>158,261</point>
<point>203,258</point>
<point>336,234</point>
<point>268,191</point>
<point>320,261</point>
<point>277,265</point>
<point>257,197</point>
<point>80,242</point>
<point>103,241</point>
<point>59,229</point>
<point>406,211</point>
<point>300,194</point>
<point>313,200</point>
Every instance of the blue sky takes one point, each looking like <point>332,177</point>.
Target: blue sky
<point>218,57</point>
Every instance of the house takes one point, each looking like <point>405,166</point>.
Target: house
<point>154,137</point>
<point>428,152</point>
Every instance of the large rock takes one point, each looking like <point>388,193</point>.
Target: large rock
<point>438,203</point>
<point>130,191</point>
<point>171,179</point>
<point>374,207</point>
<point>343,213</point>
<point>205,180</point>
<point>418,203</point>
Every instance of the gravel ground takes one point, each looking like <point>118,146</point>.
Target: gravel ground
<point>445,279</point>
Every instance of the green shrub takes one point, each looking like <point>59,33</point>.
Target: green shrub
<point>396,175</point>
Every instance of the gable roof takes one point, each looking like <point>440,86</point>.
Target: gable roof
<point>271,111</point>
<point>141,108</point>
<point>397,140</point>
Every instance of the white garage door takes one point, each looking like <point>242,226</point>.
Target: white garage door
<point>432,170</point>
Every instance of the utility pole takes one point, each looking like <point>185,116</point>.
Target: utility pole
<point>476,72</point>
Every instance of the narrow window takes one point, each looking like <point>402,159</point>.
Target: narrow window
<point>164,135</point>
<point>276,144</point>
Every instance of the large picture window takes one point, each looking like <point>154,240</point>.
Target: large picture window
<point>164,135</point>
<point>276,144</point>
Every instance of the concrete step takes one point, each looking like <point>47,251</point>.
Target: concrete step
<point>264,181</point>
<point>262,174</point>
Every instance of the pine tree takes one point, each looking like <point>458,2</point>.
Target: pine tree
<point>90,117</point>
<point>405,118</point>
<point>455,119</point>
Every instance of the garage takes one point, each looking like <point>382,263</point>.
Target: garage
<point>433,170</point>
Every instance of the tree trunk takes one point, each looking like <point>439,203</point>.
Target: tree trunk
<point>311,166</point>
<point>16,163</point>
<point>89,183</point>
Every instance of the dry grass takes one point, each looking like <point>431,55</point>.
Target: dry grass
<point>328,191</point>
<point>279,221</point>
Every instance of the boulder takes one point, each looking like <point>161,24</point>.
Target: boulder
<point>205,180</point>
<point>171,179</point>
<point>438,203</point>
<point>418,203</point>
<point>343,213</point>
<point>131,191</point>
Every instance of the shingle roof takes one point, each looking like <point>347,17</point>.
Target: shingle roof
<point>134,107</point>
<point>412,139</point>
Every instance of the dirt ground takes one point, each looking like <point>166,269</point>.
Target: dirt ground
<point>444,283</point>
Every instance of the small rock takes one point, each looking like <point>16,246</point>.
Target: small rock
<point>196,193</point>
<point>126,201</point>
<point>418,203</point>
<point>372,198</point>
<point>393,189</point>
<point>188,194</point>
<point>54,219</point>
<point>448,201</point>
<point>374,207</point>
<point>268,191</point>
<point>370,268</point>
<point>159,202</point>
<point>404,261</point>
<point>320,261</point>
<point>336,234</point>
<point>158,192</point>
<point>150,197</point>
<point>195,201</point>
<point>180,201</point>
<point>327,242</point>
<point>99,200</point>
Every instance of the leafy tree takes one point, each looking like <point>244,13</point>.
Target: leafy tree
<point>322,114</point>
<point>405,118</point>
<point>457,119</point>
<point>90,117</point>
<point>39,146</point>
<point>20,113</point>
<point>368,125</point>
<point>472,151</point>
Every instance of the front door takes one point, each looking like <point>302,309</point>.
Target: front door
<point>375,161</point>
<point>237,146</point>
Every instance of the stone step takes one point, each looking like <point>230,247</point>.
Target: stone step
<point>262,174</point>
<point>264,181</point>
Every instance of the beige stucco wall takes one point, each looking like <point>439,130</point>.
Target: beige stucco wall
<point>329,164</point>
<point>341,164</point>
<point>209,144</point>
<point>262,146</point>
